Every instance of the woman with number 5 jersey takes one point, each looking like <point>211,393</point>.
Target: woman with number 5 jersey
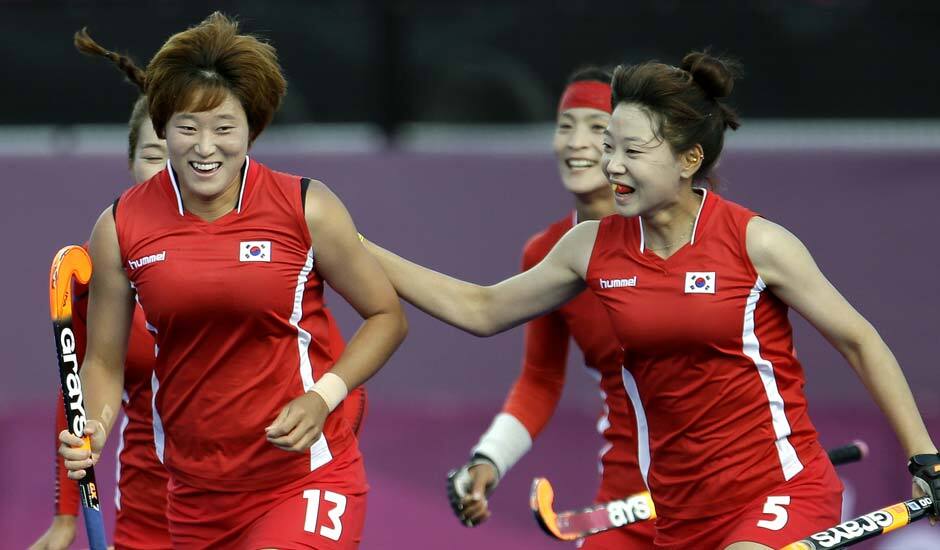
<point>228,258</point>
<point>698,289</point>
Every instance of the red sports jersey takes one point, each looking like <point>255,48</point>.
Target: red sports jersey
<point>141,491</point>
<point>709,363</point>
<point>537,391</point>
<point>237,311</point>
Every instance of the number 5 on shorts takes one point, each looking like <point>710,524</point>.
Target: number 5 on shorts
<point>775,507</point>
<point>335,530</point>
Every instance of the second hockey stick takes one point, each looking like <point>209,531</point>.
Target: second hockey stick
<point>575,524</point>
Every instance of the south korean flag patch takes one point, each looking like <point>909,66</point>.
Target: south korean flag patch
<point>254,251</point>
<point>700,282</point>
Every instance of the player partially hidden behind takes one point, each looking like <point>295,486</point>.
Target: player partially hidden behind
<point>583,113</point>
<point>140,498</point>
<point>228,259</point>
<point>698,289</point>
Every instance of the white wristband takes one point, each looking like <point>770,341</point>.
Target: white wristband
<point>505,442</point>
<point>331,388</point>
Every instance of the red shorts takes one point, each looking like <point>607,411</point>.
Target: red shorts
<point>810,502</point>
<point>324,510</point>
<point>141,518</point>
<point>638,536</point>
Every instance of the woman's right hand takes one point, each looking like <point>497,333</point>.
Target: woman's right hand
<point>59,536</point>
<point>77,459</point>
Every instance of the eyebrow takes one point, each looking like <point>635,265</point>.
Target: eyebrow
<point>629,139</point>
<point>153,145</point>
<point>193,116</point>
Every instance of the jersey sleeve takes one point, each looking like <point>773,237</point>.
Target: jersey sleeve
<point>66,490</point>
<point>536,392</point>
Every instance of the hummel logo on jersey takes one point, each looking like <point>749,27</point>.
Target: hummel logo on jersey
<point>618,283</point>
<point>700,282</point>
<point>254,251</point>
<point>146,260</point>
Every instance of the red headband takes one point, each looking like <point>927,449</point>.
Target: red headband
<point>589,94</point>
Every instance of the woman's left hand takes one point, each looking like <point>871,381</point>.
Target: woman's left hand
<point>300,423</point>
<point>926,471</point>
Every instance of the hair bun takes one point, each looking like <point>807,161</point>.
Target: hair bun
<point>713,74</point>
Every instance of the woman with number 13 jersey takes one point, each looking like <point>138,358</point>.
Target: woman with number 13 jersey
<point>228,260</point>
<point>583,113</point>
<point>140,496</point>
<point>698,290</point>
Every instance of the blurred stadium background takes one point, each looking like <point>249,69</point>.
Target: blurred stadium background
<point>432,121</point>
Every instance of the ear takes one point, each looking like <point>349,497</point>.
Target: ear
<point>691,160</point>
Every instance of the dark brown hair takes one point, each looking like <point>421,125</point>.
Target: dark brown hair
<point>590,73</point>
<point>195,70</point>
<point>135,75</point>
<point>684,102</point>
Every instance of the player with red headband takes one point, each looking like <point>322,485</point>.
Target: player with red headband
<point>583,113</point>
<point>140,495</point>
<point>698,291</point>
<point>228,258</point>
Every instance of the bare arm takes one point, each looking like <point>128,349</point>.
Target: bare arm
<point>342,261</point>
<point>110,309</point>
<point>345,264</point>
<point>488,310</point>
<point>789,271</point>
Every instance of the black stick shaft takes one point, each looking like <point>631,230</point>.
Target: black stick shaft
<point>74,401</point>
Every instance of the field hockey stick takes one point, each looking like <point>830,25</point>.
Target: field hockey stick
<point>575,524</point>
<point>879,522</point>
<point>69,262</point>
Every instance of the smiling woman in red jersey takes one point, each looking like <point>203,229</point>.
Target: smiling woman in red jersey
<point>583,114</point>
<point>228,260</point>
<point>698,289</point>
<point>140,496</point>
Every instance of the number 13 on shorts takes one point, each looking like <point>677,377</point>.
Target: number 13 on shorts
<point>332,525</point>
<point>774,506</point>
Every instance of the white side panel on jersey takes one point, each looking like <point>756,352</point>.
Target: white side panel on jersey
<point>789,462</point>
<point>603,423</point>
<point>120,448</point>
<point>320,451</point>
<point>158,437</point>
<point>642,429</point>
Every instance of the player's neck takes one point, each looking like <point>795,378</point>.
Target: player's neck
<point>594,205</point>
<point>214,207</point>
<point>669,229</point>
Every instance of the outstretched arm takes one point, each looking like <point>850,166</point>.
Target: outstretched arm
<point>488,310</point>
<point>789,271</point>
